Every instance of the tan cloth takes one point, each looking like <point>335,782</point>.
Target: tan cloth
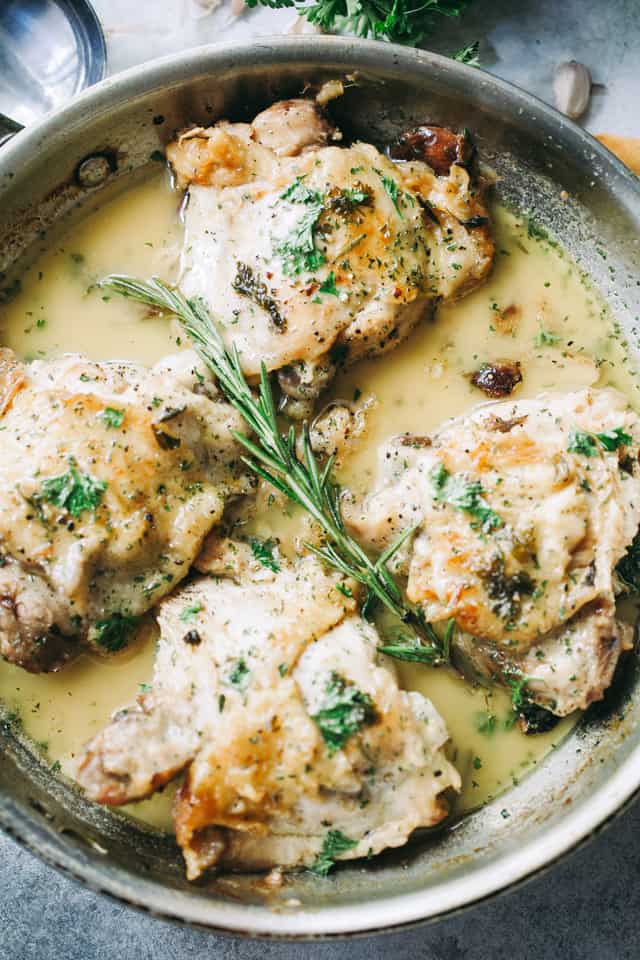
<point>626,149</point>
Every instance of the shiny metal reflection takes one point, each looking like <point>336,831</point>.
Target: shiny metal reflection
<point>49,51</point>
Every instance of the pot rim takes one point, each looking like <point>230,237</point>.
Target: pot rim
<point>480,882</point>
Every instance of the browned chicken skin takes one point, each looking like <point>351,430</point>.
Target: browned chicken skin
<point>313,255</point>
<point>111,476</point>
<point>522,511</point>
<point>250,677</point>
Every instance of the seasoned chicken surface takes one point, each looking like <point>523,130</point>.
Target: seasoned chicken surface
<point>111,476</point>
<point>522,511</point>
<point>311,254</point>
<point>268,691</point>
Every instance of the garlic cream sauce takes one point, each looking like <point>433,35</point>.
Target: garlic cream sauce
<point>536,308</point>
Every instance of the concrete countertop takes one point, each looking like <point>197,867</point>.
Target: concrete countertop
<point>585,907</point>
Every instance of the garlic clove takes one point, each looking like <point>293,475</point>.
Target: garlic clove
<point>572,88</point>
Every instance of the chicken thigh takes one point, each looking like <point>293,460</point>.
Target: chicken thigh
<point>310,254</point>
<point>111,476</point>
<point>522,512</point>
<point>269,691</point>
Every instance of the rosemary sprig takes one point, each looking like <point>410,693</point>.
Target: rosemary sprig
<point>273,454</point>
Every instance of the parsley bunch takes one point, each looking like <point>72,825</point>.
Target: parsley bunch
<point>400,21</point>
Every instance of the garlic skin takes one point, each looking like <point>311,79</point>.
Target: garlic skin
<point>572,88</point>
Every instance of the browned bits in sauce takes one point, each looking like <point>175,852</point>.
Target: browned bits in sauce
<point>435,145</point>
<point>418,443</point>
<point>503,426</point>
<point>498,379</point>
<point>506,322</point>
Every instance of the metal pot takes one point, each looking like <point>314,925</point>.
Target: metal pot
<point>549,168</point>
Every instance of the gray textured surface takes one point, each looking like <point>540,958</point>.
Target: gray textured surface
<point>587,907</point>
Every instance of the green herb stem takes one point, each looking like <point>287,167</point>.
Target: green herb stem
<point>272,454</point>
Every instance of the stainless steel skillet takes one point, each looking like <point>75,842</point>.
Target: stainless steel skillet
<point>548,168</point>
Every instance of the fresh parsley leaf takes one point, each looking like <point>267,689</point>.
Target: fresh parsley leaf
<point>344,589</point>
<point>112,418</point>
<point>345,710</point>
<point>239,675</point>
<point>262,551</point>
<point>469,54</point>
<point>113,632</point>
<point>545,339</point>
<point>485,723</point>
<point>72,491</point>
<point>535,231</point>
<point>464,495</point>
<point>333,845</point>
<point>583,443</point>
<point>517,686</point>
<point>299,192</point>
<point>356,196</point>
<point>329,286</point>
<point>400,21</point>
<point>189,613</point>
<point>612,439</point>
<point>298,251</point>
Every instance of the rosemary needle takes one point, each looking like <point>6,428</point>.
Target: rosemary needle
<point>272,455</point>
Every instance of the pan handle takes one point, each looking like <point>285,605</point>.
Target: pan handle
<point>8,128</point>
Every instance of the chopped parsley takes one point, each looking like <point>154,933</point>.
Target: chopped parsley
<point>329,286</point>
<point>262,551</point>
<point>72,491</point>
<point>239,675</point>
<point>517,686</point>
<point>612,439</point>
<point>112,418</point>
<point>464,495</point>
<point>113,632</point>
<point>346,200</point>
<point>345,710</point>
<point>189,613</point>
<point>344,589</point>
<point>535,231</point>
<point>583,443</point>
<point>485,723</point>
<point>469,54</point>
<point>333,845</point>
<point>298,251</point>
<point>587,443</point>
<point>545,338</point>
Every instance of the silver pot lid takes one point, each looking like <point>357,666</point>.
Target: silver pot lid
<point>49,51</point>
